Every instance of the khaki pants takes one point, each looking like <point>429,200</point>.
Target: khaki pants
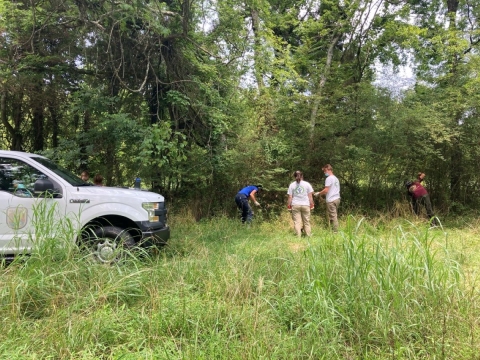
<point>332,208</point>
<point>301,216</point>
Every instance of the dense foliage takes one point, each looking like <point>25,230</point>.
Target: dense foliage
<point>200,98</point>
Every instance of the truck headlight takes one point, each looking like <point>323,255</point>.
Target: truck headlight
<point>151,207</point>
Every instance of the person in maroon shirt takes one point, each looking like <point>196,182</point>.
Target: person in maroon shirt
<point>420,197</point>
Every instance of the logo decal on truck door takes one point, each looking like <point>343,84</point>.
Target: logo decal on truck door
<point>17,217</point>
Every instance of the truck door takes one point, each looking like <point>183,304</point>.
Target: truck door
<point>23,215</point>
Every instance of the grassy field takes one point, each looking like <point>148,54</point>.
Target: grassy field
<point>379,289</point>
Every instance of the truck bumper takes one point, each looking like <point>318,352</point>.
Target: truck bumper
<point>153,236</point>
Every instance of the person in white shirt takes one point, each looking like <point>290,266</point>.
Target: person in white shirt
<point>332,195</point>
<point>300,202</point>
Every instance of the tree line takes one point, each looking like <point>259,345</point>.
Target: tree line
<point>200,97</point>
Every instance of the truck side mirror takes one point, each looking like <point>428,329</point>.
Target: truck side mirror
<point>44,188</point>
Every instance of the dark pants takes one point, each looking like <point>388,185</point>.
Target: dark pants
<point>424,201</point>
<point>242,203</point>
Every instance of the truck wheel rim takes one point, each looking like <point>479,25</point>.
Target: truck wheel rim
<point>106,251</point>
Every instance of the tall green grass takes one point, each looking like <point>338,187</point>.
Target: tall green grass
<point>222,290</point>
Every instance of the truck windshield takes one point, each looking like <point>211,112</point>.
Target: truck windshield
<point>66,175</point>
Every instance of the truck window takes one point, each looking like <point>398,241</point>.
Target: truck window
<point>66,175</point>
<point>17,177</point>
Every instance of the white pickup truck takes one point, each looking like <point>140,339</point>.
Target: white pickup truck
<point>105,220</point>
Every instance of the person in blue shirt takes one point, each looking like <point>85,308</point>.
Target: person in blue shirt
<point>241,199</point>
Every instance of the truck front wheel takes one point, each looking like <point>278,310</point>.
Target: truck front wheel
<point>108,244</point>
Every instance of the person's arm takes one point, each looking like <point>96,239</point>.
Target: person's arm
<point>252,196</point>
<point>324,191</point>
<point>310,198</point>
<point>289,202</point>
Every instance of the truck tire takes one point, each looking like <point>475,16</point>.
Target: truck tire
<point>108,244</point>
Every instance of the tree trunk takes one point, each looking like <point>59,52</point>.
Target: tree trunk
<point>13,131</point>
<point>55,125</point>
<point>38,116</point>
<point>321,85</point>
<point>86,124</point>
<point>256,49</point>
<point>456,163</point>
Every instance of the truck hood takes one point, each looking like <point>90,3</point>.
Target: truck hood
<point>114,194</point>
